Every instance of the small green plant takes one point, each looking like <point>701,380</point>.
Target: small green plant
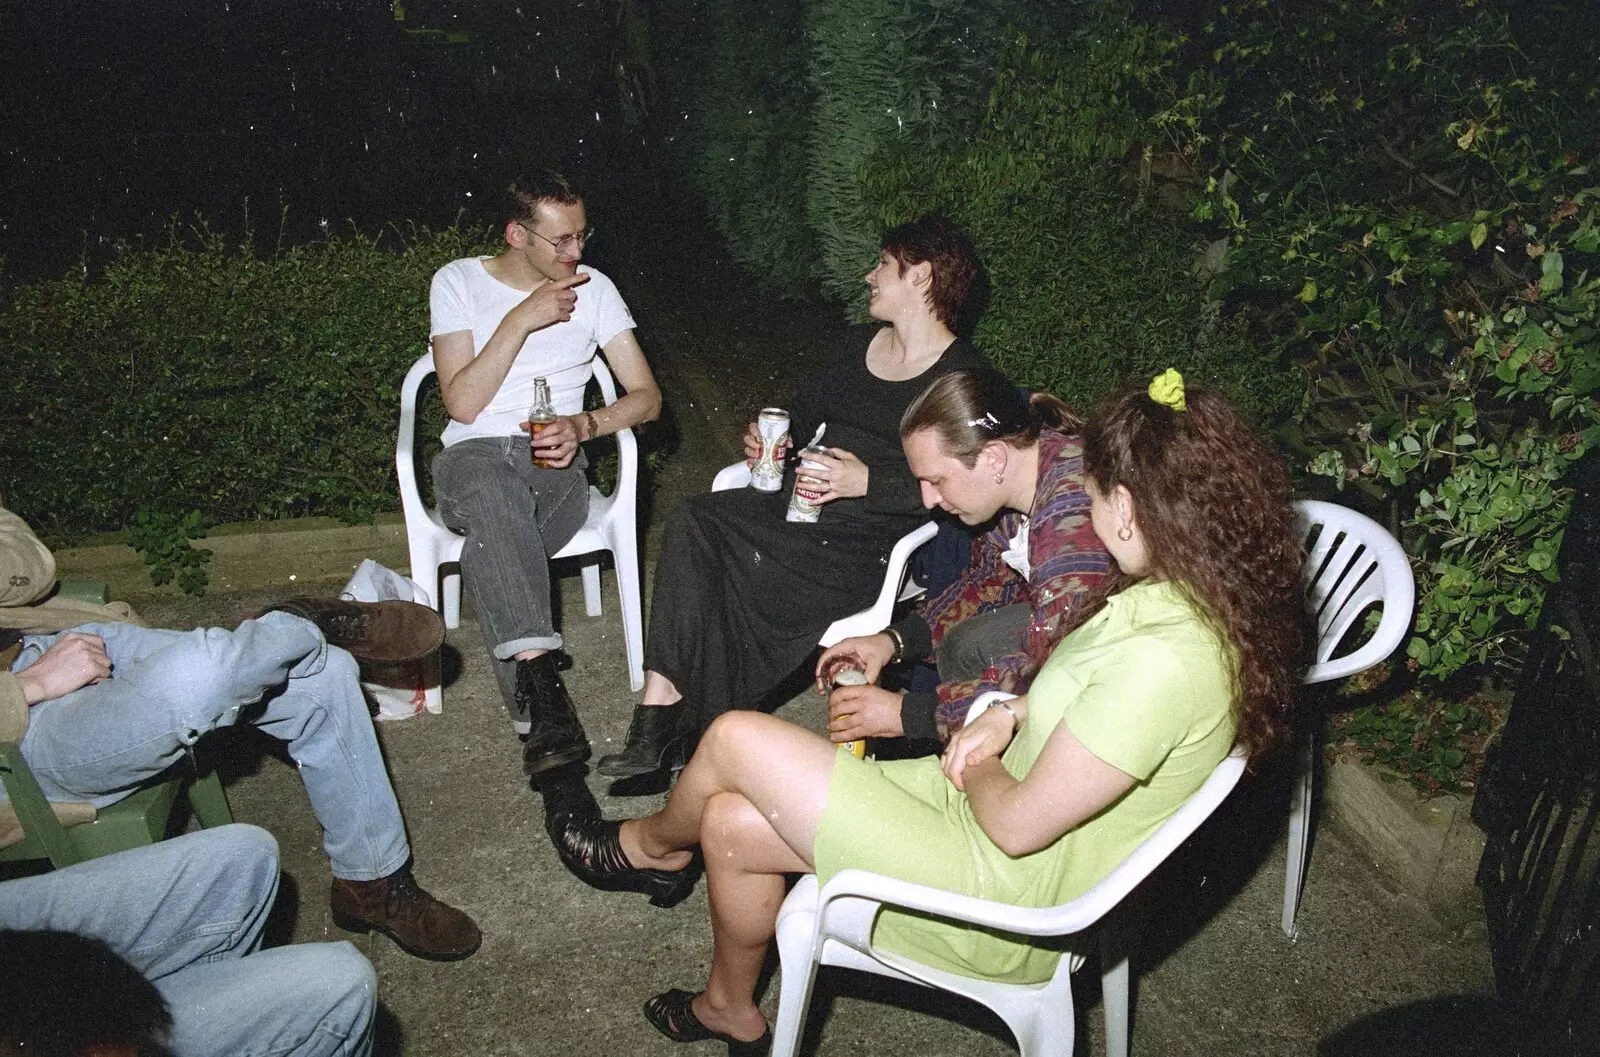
<point>162,540</point>
<point>1432,741</point>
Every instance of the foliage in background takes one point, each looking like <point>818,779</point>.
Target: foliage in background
<point>739,108</point>
<point>1094,272</point>
<point>194,376</point>
<point>1407,191</point>
<point>914,74</point>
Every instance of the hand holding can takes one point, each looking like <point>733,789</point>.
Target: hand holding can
<point>848,670</point>
<point>772,425</point>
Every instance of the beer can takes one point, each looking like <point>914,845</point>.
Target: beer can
<point>773,425</point>
<point>803,502</point>
<point>846,671</point>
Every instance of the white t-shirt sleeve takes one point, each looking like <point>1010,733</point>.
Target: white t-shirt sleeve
<point>611,312</point>
<point>449,302</point>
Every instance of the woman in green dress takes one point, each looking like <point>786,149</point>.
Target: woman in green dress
<point>1190,649</point>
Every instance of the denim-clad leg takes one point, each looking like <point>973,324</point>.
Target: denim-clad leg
<point>187,913</point>
<point>514,515</point>
<point>167,688</point>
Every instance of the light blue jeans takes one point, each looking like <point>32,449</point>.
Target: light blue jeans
<point>168,688</point>
<point>187,913</point>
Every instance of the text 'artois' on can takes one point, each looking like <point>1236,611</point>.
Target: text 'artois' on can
<point>773,426</point>
<point>804,505</point>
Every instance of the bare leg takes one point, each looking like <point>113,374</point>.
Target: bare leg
<point>782,769</point>
<point>659,691</point>
<point>745,864</point>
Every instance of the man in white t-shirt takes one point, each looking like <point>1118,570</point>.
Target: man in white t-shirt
<point>497,324</point>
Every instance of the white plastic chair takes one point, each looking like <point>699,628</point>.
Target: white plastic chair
<point>611,526</point>
<point>1352,565</point>
<point>834,927</point>
<point>897,587</point>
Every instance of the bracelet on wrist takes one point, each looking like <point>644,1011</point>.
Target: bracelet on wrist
<point>1016,720</point>
<point>899,645</point>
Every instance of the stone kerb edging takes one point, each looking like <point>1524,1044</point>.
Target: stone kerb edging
<point>251,555</point>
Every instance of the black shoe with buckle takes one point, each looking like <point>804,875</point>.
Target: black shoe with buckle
<point>555,737</point>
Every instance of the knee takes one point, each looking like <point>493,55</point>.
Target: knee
<point>338,980</point>
<point>728,824</point>
<point>345,973</point>
<point>246,856</point>
<point>733,735</point>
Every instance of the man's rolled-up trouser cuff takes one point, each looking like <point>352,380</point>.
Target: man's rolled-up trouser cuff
<point>507,650</point>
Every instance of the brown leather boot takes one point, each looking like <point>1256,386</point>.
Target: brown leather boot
<point>387,632</point>
<point>399,908</point>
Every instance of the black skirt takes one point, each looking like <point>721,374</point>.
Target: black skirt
<point>742,596</point>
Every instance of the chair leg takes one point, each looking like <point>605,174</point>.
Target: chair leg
<point>591,589</point>
<point>1114,994</point>
<point>450,594</point>
<point>794,997</point>
<point>626,556</point>
<point>1299,833</point>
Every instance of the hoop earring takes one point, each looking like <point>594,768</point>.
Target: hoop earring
<point>1125,534</point>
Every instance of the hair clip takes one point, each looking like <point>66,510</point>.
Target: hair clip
<point>1167,390</point>
<point>988,422</point>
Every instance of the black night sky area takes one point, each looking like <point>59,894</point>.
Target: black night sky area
<point>119,116</point>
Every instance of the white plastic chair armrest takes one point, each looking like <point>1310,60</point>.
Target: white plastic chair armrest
<point>907,895</point>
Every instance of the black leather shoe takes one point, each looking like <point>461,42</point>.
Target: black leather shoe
<point>653,743</point>
<point>591,849</point>
<point>556,737</point>
<point>566,795</point>
<point>672,1014</point>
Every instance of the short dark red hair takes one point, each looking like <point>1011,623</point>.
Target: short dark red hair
<point>957,273</point>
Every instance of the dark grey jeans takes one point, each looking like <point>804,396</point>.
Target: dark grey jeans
<point>972,645</point>
<point>514,515</point>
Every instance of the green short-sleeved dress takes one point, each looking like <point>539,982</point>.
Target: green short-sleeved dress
<point>1144,686</point>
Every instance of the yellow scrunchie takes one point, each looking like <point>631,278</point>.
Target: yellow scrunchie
<point>1167,390</point>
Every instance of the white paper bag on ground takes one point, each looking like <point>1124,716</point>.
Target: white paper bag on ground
<point>397,691</point>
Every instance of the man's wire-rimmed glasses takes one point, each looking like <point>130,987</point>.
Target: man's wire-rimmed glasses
<point>565,242</point>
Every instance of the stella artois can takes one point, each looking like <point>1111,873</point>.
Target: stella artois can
<point>803,503</point>
<point>773,425</point>
<point>845,670</point>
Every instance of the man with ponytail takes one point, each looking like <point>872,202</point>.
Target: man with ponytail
<point>980,447</point>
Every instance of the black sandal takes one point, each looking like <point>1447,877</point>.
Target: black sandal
<point>672,1014</point>
<point>592,849</point>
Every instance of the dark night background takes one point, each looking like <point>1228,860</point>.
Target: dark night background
<point>120,116</point>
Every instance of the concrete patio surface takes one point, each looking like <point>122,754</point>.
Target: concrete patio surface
<point>564,969</point>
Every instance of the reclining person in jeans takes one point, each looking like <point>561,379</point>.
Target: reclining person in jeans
<point>155,950</point>
<point>101,705</point>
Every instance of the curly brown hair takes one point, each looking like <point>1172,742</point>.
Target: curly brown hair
<point>1211,499</point>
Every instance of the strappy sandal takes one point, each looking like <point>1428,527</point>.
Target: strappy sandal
<point>592,849</point>
<point>672,1014</point>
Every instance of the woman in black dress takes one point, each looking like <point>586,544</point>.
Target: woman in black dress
<point>742,595</point>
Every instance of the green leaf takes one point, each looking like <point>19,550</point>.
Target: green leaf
<point>1480,232</point>
<point>1550,272</point>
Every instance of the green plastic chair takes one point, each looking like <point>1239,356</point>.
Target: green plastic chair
<point>134,821</point>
